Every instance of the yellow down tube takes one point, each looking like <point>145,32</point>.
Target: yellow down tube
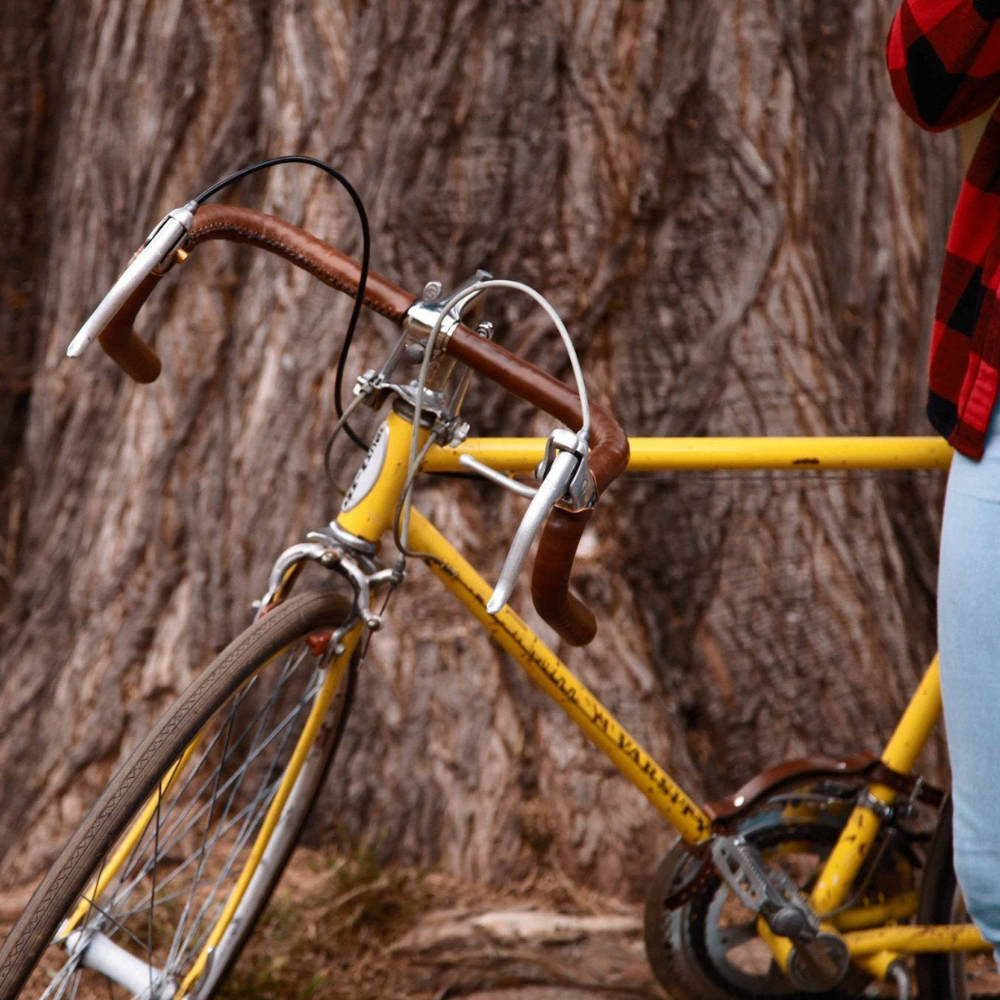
<point>559,683</point>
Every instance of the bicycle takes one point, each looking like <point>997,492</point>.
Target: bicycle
<point>811,879</point>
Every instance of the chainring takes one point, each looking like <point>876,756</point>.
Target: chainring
<point>708,947</point>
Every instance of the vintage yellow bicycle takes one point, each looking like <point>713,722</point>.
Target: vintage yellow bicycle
<point>816,878</point>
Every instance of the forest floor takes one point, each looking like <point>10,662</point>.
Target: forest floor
<point>353,929</point>
<point>348,927</point>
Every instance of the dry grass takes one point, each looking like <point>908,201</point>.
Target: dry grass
<point>327,932</point>
<point>345,926</point>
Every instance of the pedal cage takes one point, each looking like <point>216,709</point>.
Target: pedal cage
<point>819,959</point>
<point>767,891</point>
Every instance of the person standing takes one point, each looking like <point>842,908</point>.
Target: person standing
<point>944,65</point>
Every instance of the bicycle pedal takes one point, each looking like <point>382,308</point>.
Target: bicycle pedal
<point>763,890</point>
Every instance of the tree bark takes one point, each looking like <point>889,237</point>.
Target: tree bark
<point>744,236</point>
<point>22,110</point>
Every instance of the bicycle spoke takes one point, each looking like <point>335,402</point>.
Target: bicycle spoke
<point>150,905</point>
<point>193,819</point>
<point>207,800</point>
<point>175,836</point>
<point>220,834</point>
<point>194,768</point>
<point>264,795</point>
<point>116,923</point>
<point>253,816</point>
<point>152,891</point>
<point>172,955</point>
<point>69,970</point>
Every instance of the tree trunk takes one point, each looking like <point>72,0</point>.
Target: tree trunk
<point>21,210</point>
<point>744,237</point>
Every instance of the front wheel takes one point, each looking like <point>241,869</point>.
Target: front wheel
<point>160,887</point>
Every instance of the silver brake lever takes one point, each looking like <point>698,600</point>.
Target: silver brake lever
<point>552,490</point>
<point>152,256</point>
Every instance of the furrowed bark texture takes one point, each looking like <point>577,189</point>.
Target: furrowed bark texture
<point>22,110</point>
<point>744,237</point>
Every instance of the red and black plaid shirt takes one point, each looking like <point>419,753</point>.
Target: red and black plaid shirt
<point>944,63</point>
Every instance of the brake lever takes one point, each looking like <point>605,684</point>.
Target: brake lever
<point>155,255</point>
<point>566,480</point>
<point>549,493</point>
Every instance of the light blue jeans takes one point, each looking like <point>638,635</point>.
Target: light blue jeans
<point>969,640</point>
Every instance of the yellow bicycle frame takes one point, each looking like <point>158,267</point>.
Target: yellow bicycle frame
<point>521,455</point>
<point>872,936</point>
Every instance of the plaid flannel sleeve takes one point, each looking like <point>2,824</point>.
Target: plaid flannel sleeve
<point>944,59</point>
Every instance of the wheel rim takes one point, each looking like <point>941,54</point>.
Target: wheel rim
<point>165,897</point>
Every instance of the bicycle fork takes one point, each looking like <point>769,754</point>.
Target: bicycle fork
<point>92,949</point>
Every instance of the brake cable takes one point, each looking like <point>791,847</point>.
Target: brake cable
<point>363,278</point>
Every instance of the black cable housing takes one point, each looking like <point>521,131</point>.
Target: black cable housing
<point>365,258</point>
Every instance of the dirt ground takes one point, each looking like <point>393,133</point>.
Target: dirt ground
<point>347,927</point>
<point>351,928</point>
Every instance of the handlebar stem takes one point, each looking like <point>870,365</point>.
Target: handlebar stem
<point>425,314</point>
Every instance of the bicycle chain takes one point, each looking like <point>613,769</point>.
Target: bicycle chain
<point>703,874</point>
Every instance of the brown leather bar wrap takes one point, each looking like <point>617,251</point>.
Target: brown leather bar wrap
<point>563,530</point>
<point>572,619</point>
<point>608,443</point>
<point>244,225</point>
<point>119,341</point>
